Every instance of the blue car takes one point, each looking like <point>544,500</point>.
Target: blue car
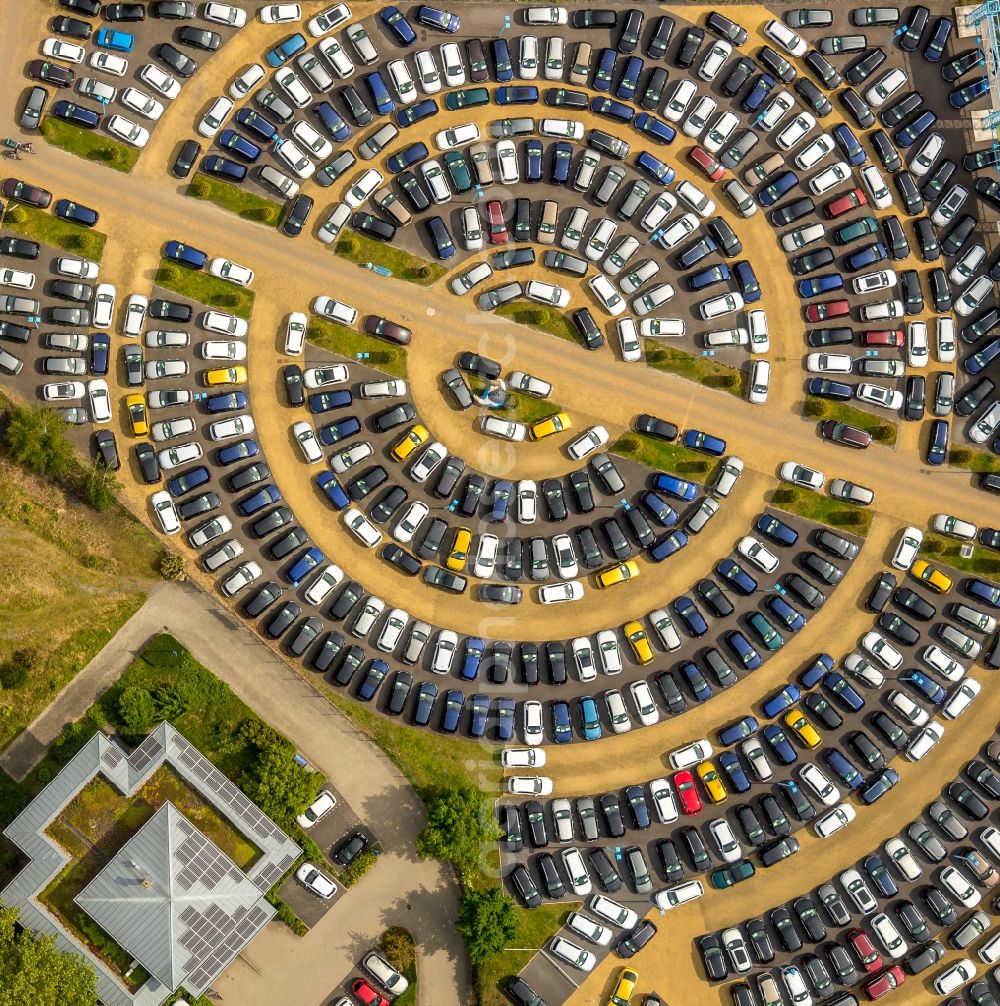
<point>375,675</point>
<point>415,113</point>
<point>434,17</point>
<point>505,718</point>
<point>589,718</point>
<point>763,86</point>
<point>340,429</point>
<point>667,546</point>
<point>909,135</point>
<point>328,484</point>
<point>182,484</point>
<point>707,277</point>
<point>562,155</point>
<point>744,652</point>
<point>562,726</point>
<point>331,120</point>
<point>822,387</point>
<point>85,118</point>
<point>263,497</point>
<point>983,590</point>
<point>698,440</point>
<point>117,41</point>
<point>503,68</point>
<point>777,530</point>
<point>239,145</point>
<point>398,26</point>
<point>842,767</point>
<point>695,680</point>
<point>777,704</point>
<point>407,157</point>
<point>224,168</point>
<point>326,400</point>
<point>934,49</point>
<point>780,744</point>
<point>501,496</point>
<point>689,614</point>
<point>818,285</point>
<point>226,401</point>
<point>853,152</point>
<point>100,354</point>
<point>474,648</point>
<point>177,251</point>
<point>772,192</point>
<point>976,363</point>
<point>650,125</point>
<point>738,731</point>
<point>655,168</point>
<point>479,713</point>
<point>730,763</point>
<point>925,686</point>
<point>784,611</point>
<point>612,109</point>
<point>746,280</point>
<point>604,69</point>
<point>673,486</point>
<point>304,565</point>
<point>258,124</point>
<point>454,701</point>
<point>629,80</point>
<point>444,246</point>
<point>863,257</point>
<point>284,51</point>
<point>379,92</point>
<point>533,161</point>
<point>69,210</point>
<point>518,94</point>
<point>239,451</point>
<point>735,574</point>
<point>837,685</point>
<point>879,786</point>
<point>963,96</point>
<point>660,509</point>
<point>937,442</point>
<point>816,671</point>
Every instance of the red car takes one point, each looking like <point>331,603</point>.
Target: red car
<point>708,164</point>
<point>883,337</point>
<point>862,945</point>
<point>884,983</point>
<point>367,995</point>
<point>844,204</point>
<point>828,309</point>
<point>498,226</point>
<point>687,792</point>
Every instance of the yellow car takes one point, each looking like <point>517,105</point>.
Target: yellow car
<point>411,440</point>
<point>625,988</point>
<point>639,641</point>
<point>802,728</point>
<point>136,406</point>
<point>459,549</point>
<point>226,375</point>
<point>558,423</point>
<point>922,570</point>
<point>712,781</point>
<point>627,570</point>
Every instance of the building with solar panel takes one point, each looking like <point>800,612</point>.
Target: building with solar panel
<point>169,897</point>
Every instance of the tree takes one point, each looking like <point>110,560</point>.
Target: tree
<point>279,785</point>
<point>458,828</point>
<point>172,566</point>
<point>397,946</point>
<point>35,438</point>
<point>98,486</point>
<point>136,711</point>
<point>487,922</point>
<point>33,971</point>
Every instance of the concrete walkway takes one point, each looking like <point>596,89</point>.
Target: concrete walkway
<point>402,889</point>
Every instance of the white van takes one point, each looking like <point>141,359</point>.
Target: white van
<point>629,337</point>
<point>922,743</point>
<point>717,307</point>
<point>679,894</point>
<point>870,282</point>
<point>726,337</point>
<point>760,382</point>
<point>883,310</point>
<point>690,755</point>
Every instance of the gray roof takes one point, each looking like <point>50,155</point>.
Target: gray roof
<point>169,896</point>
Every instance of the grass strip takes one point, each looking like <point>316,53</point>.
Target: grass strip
<point>362,250</point>
<point>662,455</point>
<point>52,230</point>
<point>701,369</point>
<point>89,144</point>
<point>523,408</point>
<point>973,460</point>
<point>542,318</point>
<point>882,430</point>
<point>941,550</point>
<point>246,205</point>
<point>822,509</point>
<point>205,288</point>
<point>354,345</point>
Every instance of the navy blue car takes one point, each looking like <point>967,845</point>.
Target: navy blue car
<point>434,17</point>
<point>689,614</point>
<point>505,718</point>
<point>937,442</point>
<point>406,157</point>
<point>472,659</point>
<point>226,401</point>
<point>825,388</point>
<point>629,80</point>
<point>730,763</point>
<point>695,680</point>
<point>183,483</point>
<point>335,493</point>
<point>738,731</point>
<point>925,686</point>
<point>263,497</point>
<point>230,140</point>
<point>562,155</point>
<point>864,257</point>
<point>503,68</point>
<point>224,168</point>
<point>982,590</point>
<point>611,108</point>
<point>375,675</point>
<point>785,612</point>
<point>698,440</point>
<point>746,280</point>
<point>661,510</point>
<point>780,744</point>
<point>709,276</point>
<point>777,530</point>
<point>177,251</point>
<point>258,124</point>
<point>762,87</point>
<point>814,673</point>
<point>655,168</point>
<point>100,351</point>
<point>735,574</point>
<point>562,724</point>
<point>533,161</point>
<point>837,685</point>
<point>667,546</point>
<point>604,69</point>
<point>79,214</point>
<point>502,492</point>
<point>909,135</point>
<point>331,120</point>
<point>815,286</point>
<point>86,118</point>
<point>239,451</point>
<point>398,26</point>
<point>673,486</point>
<point>379,92</point>
<point>783,700</point>
<point>743,649</point>
<point>415,113</point>
<point>444,246</point>
<point>772,192</point>
<point>853,152</point>
<point>454,701</point>
<point>479,711</point>
<point>327,400</point>
<point>302,566</point>
<point>339,429</point>
<point>518,94</point>
<point>650,125</point>
<point>843,768</point>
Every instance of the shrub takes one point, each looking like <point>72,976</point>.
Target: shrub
<point>780,496</point>
<point>168,274</point>
<point>15,215</point>
<point>814,408</point>
<point>536,315</point>
<point>487,921</point>
<point>357,868</point>
<point>199,188</point>
<point>13,674</point>
<point>172,566</point>
<point>36,438</point>
<point>422,272</point>
<point>932,546</point>
<point>98,485</point>
<point>261,214</point>
<point>883,432</point>
<point>720,381</point>
<point>348,245</point>
<point>136,711</point>
<point>628,444</point>
<point>959,456</point>
<point>397,946</point>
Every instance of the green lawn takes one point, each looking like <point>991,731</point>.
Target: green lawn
<point>943,551</point>
<point>973,459</point>
<point>523,408</point>
<point>347,342</point>
<point>205,288</point>
<point>52,230</point>
<point>662,456</point>
<point>543,318</point>
<point>701,369</point>
<point>881,429</point>
<point>89,144</point>
<point>247,205</point>
<point>823,509</point>
<point>361,250</point>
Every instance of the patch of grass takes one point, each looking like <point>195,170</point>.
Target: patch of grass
<point>973,460</point>
<point>823,509</point>
<point>348,343</point>
<point>882,430</point>
<point>523,408</point>
<point>246,205</point>
<point>52,230</point>
<point>702,369</point>
<point>662,455</point>
<point>89,144</point>
<point>943,551</point>
<point>542,318</point>
<point>205,288</point>
<point>361,249</point>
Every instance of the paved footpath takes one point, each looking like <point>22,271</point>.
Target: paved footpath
<point>402,889</point>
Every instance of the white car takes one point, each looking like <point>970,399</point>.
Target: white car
<point>366,618</point>
<point>78,268</point>
<point>800,475</point>
<point>328,19</point>
<point>224,13</point>
<point>17,278</point>
<point>330,229</point>
<point>678,99</point>
<point>720,131</point>
<point>428,462</point>
<point>125,129</point>
<point>697,119</point>
<point>147,107</point>
<point>834,820</point>
<point>287,79</point>
<point>527,61</point>
<point>445,648</point>
<point>522,758</point>
<point>684,225</point>
<point>877,394</point>
<point>250,78</point>
<point>882,650</point>
<point>758,554</point>
<point>451,61</point>
<point>117,66</point>
<point>406,526</point>
<point>172,457</point>
<point>135,314</point>
<point>218,112</point>
<point>583,658</point>
<point>830,177</point>
<point>233,426</point>
<point>600,236</point>
<point>224,324</point>
<point>608,296</point>
<point>317,810</point>
<point>593,932</point>
<point>503,429</point>
<point>311,878</point>
<point>531,723</point>
<point>392,630</point>
<point>320,377</point>
<point>554,57</point>
<point>960,698</point>
<point>545,15</point>
<point>924,741</point>
<point>223,268</point>
<point>402,81</point>
<point>63,391</point>
<point>456,136</point>
<point>587,442</point>
<point>862,669</point>
<point>576,871</point>
<point>166,513</point>
<point>760,382</point>
<point>927,153</point>
<point>690,755</point>
<point>557,593</point>
<point>913,714</point>
<point>645,707</point>
<point>717,54</point>
<point>944,338</point>
<point>333,51</point>
<point>902,859</point>
<point>877,189</point>
<point>280,13</point>
<point>916,343</point>
<point>939,662</point>
<point>290,153</point>
<point>350,456</point>
<point>757,759</point>
<point>168,429</point>
<point>791,134</point>
<point>309,63</point>
<point>427,71</point>
<point>65,52</point>
<point>818,782</point>
<point>317,145</point>
<point>960,886</point>
<point>664,804</point>
<point>780,105</point>
<point>308,444</point>
<point>506,154</point>
<point>617,714</point>
<point>725,841</point>
<point>158,80</point>
<point>159,369</point>
<point>812,153</point>
<point>565,557</point>
<point>787,39</point>
<point>529,785</point>
<point>954,527</point>
<point>546,293</point>
<point>906,551</point>
<point>361,527</point>
<point>571,953</point>
<point>104,305</point>
<point>486,555</point>
<point>609,652</point>
<point>218,349</point>
<point>326,580</point>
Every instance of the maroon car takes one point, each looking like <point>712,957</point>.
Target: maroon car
<point>14,188</point>
<point>498,226</point>
<point>385,329</point>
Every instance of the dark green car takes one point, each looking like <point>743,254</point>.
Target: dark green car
<point>468,97</point>
<point>765,631</point>
<point>735,873</point>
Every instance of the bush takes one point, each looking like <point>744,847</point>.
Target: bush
<point>536,315</point>
<point>628,444</point>
<point>959,456</point>
<point>261,214</point>
<point>932,546</point>
<point>397,946</point>
<point>720,381</point>
<point>36,438</point>
<point>172,566</point>
<point>814,408</point>
<point>348,245</point>
<point>357,868</point>
<point>883,432</point>
<point>13,674</point>
<point>15,215</point>
<point>228,300</point>
<point>487,921</point>
<point>136,712</point>
<point>782,496</point>
<point>98,485</point>
<point>199,188</point>
<point>168,274</point>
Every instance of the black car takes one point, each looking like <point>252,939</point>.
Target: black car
<point>298,213</point>
<point>125,12</point>
<point>808,916</point>
<point>618,544</point>
<point>107,449</point>
<point>281,621</point>
<point>173,10</point>
<point>909,38</point>
<point>512,258</point>
<point>654,427</point>
<point>185,160</point>
<point>19,247</point>
<point>911,601</point>
<point>522,994</point>
<point>860,69</point>
<point>200,38</point>
<point>579,482</point>
<point>171,310</point>
<point>760,941</point>
<point>354,844</point>
<point>594,18</point>
<point>632,942</point>
<point>481,365</point>
<point>738,75</point>
<point>775,63</point>
<point>941,909</point>
<point>908,191</point>
<point>900,109</point>
<point>789,212</point>
<point>958,235</point>
<point>696,850</point>
<point>781,921</point>
<point>822,711</point>
<point>183,65</point>
<point>691,42</point>
<point>857,108</point>
<point>984,777</point>
<point>73,27</point>
<point>726,29</point>
<point>607,875</point>
<point>89,8</point>
<point>51,73</point>
<point>628,36</point>
<point>812,96</point>
<point>524,886</point>
<point>713,957</point>
<point>777,851</point>
<point>750,824</point>
<point>587,327</point>
<point>663,31</point>
<point>773,816</point>
<point>968,803</point>
<point>890,730</point>
<point>939,178</point>
<point>870,754</point>
<point>841,964</point>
